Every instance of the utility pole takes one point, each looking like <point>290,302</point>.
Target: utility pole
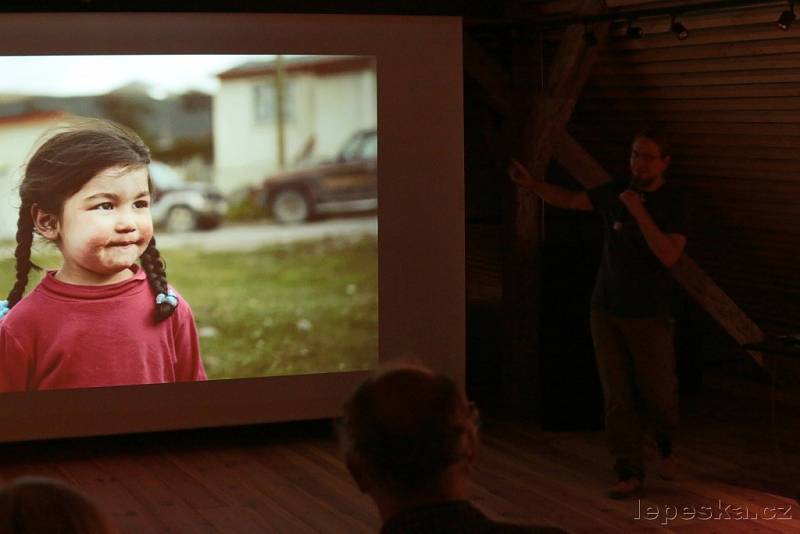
<point>280,76</point>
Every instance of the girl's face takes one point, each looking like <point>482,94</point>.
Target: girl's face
<point>103,228</point>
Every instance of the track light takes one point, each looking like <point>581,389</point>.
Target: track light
<point>634,32</point>
<point>787,17</point>
<point>678,29</point>
<point>588,36</point>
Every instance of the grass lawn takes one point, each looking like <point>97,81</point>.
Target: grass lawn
<point>305,307</point>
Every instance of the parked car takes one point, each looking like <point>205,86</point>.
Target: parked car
<point>181,206</point>
<point>347,183</point>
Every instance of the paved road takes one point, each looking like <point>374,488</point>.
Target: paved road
<point>252,236</point>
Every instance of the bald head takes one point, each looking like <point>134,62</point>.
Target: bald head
<point>405,426</point>
<point>36,504</point>
<point>405,401</point>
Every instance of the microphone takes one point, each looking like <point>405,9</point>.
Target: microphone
<point>620,213</point>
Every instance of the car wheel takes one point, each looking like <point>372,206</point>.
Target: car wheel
<point>290,206</point>
<point>181,219</point>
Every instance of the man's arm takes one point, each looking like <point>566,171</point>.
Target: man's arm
<point>554,195</point>
<point>666,247</point>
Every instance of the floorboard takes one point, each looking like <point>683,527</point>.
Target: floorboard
<point>738,452</point>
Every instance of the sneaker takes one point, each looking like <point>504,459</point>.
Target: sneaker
<point>668,467</point>
<point>625,488</point>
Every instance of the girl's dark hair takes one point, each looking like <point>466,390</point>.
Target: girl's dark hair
<point>59,168</point>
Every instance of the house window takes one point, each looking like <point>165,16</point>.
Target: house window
<point>265,98</point>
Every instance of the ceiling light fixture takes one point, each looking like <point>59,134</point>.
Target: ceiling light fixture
<point>634,32</point>
<point>787,17</point>
<point>678,29</point>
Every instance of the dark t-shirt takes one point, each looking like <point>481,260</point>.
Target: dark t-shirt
<point>631,281</point>
<point>456,517</point>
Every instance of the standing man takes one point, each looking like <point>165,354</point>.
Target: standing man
<point>631,322</point>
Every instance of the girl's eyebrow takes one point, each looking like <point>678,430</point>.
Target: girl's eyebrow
<point>113,196</point>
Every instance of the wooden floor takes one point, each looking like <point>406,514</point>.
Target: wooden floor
<point>739,452</point>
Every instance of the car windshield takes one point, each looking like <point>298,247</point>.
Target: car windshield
<point>164,176</point>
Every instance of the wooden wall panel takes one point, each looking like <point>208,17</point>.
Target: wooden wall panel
<point>729,96</point>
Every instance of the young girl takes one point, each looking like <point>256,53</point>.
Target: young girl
<point>101,319</point>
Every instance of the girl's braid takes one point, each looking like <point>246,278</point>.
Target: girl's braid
<point>22,254</point>
<point>155,270</point>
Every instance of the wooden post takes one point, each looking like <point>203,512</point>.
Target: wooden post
<point>520,377</point>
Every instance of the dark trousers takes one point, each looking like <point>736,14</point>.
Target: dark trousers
<point>636,363</point>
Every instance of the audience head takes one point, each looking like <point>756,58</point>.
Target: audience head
<point>406,429</point>
<point>34,505</point>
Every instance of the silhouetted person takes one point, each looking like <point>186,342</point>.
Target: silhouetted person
<point>410,436</point>
<point>37,505</point>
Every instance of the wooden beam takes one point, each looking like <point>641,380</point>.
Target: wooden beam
<point>575,57</point>
<point>568,74</point>
<point>579,162</point>
<point>521,376</point>
<point>550,116</point>
<point>583,167</point>
<point>483,69</point>
<point>719,305</point>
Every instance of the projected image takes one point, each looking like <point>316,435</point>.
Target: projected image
<point>263,208</point>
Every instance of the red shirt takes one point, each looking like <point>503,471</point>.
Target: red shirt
<point>74,336</point>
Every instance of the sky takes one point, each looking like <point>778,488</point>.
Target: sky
<point>92,75</point>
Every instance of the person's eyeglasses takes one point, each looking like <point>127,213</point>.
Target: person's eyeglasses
<point>647,158</point>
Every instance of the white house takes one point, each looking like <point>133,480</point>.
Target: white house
<point>326,99</point>
<point>19,135</point>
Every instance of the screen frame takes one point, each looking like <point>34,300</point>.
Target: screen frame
<point>421,249</point>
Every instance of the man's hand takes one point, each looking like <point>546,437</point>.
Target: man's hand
<point>633,201</point>
<point>520,175</point>
<point>666,247</point>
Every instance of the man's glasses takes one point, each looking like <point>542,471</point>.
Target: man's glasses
<point>647,158</point>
